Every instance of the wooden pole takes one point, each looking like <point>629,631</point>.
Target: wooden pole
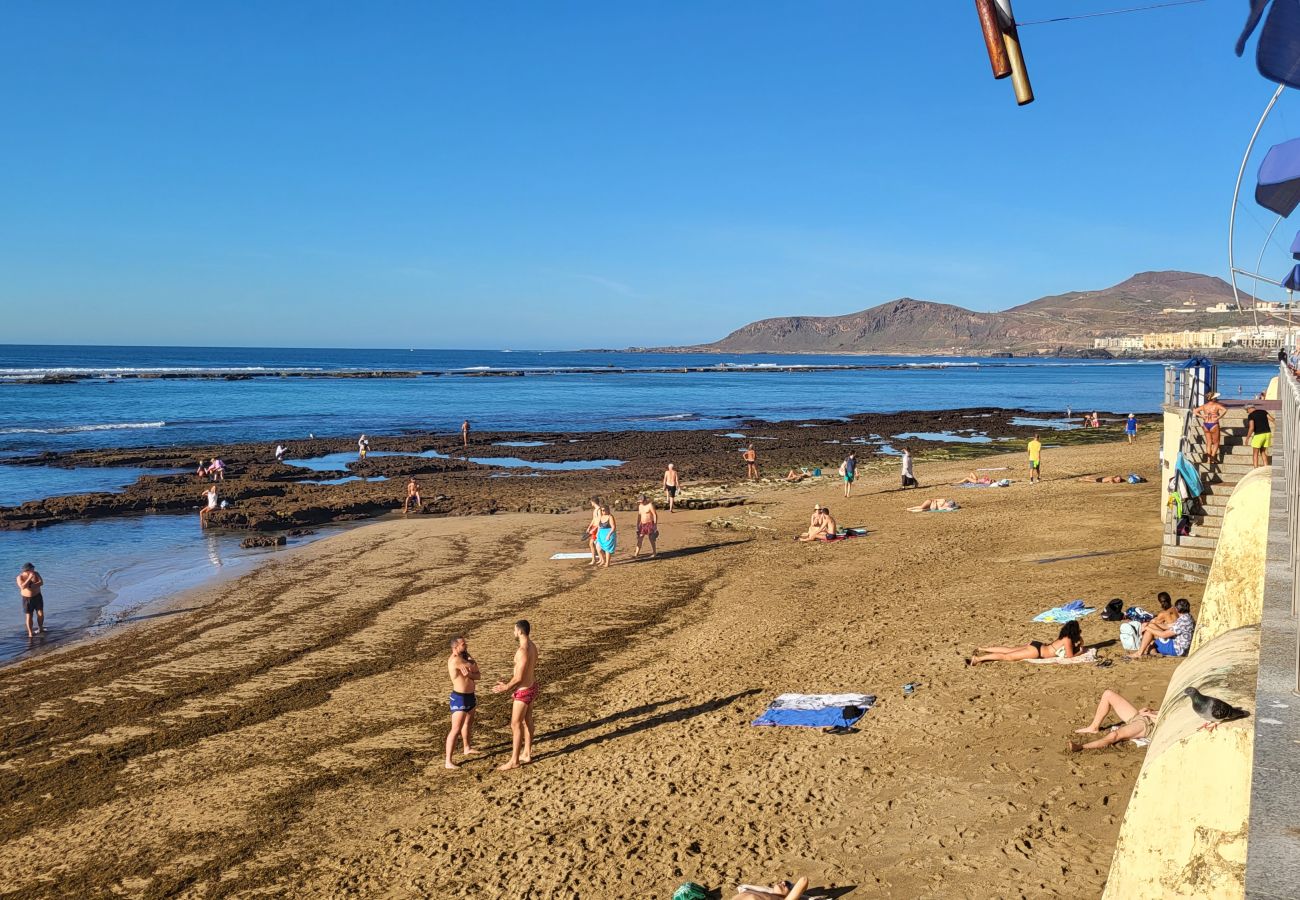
<point>1010,37</point>
<point>993,41</point>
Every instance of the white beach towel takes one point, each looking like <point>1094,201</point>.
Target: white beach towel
<point>1087,656</point>
<point>820,701</point>
<point>586,555</point>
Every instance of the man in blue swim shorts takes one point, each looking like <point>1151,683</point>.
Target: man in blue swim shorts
<point>463,671</point>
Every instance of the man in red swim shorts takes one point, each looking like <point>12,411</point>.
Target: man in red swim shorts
<point>524,684</point>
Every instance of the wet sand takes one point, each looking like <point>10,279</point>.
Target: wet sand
<point>285,739</point>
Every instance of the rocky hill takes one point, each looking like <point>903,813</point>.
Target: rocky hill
<point>1068,321</point>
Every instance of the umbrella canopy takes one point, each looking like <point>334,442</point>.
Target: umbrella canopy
<point>1278,187</point>
<point>1295,246</point>
<point>1278,53</point>
<point>1292,280</point>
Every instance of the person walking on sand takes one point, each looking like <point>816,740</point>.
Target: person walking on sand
<point>1209,413</point>
<point>592,528</point>
<point>751,463</point>
<point>464,434</point>
<point>1035,460</point>
<point>647,525</point>
<point>909,477</point>
<point>672,481</point>
<point>412,496</point>
<point>849,471</point>
<point>211,496</point>
<point>1131,428</point>
<point>464,674</point>
<point>606,535</point>
<point>525,686</point>
<point>363,447</point>
<point>1259,434</point>
<point>30,583</point>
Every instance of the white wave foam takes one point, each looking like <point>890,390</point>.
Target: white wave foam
<point>73,429</point>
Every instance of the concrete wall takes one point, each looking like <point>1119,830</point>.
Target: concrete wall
<point>1184,833</point>
<point>1171,438</point>
<point>1234,590</point>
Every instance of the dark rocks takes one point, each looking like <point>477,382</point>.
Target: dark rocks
<point>264,540</point>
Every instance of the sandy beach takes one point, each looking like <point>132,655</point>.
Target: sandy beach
<point>281,735</point>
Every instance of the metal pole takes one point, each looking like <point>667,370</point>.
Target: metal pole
<point>1241,172</point>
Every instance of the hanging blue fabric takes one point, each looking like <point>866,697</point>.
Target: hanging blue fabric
<point>1187,472</point>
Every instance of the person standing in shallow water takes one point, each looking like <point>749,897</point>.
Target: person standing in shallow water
<point>363,447</point>
<point>523,682</point>
<point>30,583</point>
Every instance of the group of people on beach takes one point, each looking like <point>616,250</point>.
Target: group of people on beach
<point>463,670</point>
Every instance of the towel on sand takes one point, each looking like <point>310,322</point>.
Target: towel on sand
<point>845,533</point>
<point>586,555</point>
<point>1067,612</point>
<point>1087,656</point>
<point>814,710</point>
<point>1005,482</point>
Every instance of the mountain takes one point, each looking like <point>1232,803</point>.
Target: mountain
<point>1060,321</point>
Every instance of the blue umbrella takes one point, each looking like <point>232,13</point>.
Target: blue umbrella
<point>1277,55</point>
<point>1278,186</point>
<point>1292,280</point>
<point>1295,246</point>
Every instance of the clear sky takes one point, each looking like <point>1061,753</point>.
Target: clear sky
<point>562,174</point>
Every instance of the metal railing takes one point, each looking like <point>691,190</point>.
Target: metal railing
<point>1288,427</point>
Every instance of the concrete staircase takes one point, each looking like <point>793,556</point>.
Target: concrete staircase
<point>1189,557</point>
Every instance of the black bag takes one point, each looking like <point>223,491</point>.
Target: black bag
<point>1114,611</point>
<point>1184,527</point>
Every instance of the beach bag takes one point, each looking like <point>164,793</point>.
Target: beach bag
<point>1114,611</point>
<point>1130,635</point>
<point>691,891</point>
<point>1134,478</point>
<point>842,469</point>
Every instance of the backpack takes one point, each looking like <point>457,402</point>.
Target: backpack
<point>1130,635</point>
<point>1114,610</point>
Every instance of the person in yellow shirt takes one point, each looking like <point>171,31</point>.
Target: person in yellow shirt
<point>1035,460</point>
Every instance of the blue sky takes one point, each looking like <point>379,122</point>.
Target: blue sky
<point>563,174</point>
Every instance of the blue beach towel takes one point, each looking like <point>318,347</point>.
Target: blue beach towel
<point>1068,612</point>
<point>1187,472</point>
<point>1005,482</point>
<point>814,710</point>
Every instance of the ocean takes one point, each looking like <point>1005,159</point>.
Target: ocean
<point>101,572</point>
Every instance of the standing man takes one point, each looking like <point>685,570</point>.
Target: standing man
<point>672,481</point>
<point>412,496</point>
<point>211,496</point>
<point>1035,460</point>
<point>464,434</point>
<point>363,446</point>
<point>463,671</point>
<point>647,525</point>
<point>751,463</point>
<point>909,477</point>
<point>29,586</point>
<point>849,469</point>
<point>1259,432</point>
<point>524,684</point>
<point>279,452</point>
<point>1210,412</point>
<point>1131,428</point>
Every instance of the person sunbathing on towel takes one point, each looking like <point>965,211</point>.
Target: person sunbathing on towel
<point>782,890</point>
<point>976,478</point>
<point>1138,723</point>
<point>794,476</point>
<point>1067,644</point>
<point>1103,479</point>
<point>821,527</point>
<point>938,503</point>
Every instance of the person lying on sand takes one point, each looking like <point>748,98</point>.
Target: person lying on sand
<point>936,504</point>
<point>821,527</point>
<point>1138,723</point>
<point>976,478</point>
<point>784,890</point>
<point>1067,644</point>
<point>1102,479</point>
<point>794,476</point>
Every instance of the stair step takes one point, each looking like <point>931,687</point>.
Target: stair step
<point>1204,554</point>
<point>1183,568</point>
<point>1197,540</point>
<point>1182,574</point>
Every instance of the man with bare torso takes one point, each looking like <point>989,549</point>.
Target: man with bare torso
<point>412,496</point>
<point>463,671</point>
<point>647,524</point>
<point>30,583</point>
<point>464,434</point>
<point>751,463</point>
<point>1210,412</point>
<point>672,481</point>
<point>523,684</point>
